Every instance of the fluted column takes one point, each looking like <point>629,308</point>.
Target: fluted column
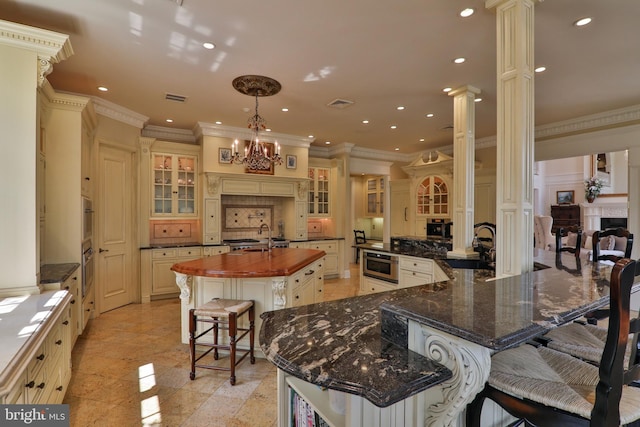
<point>515,135</point>
<point>463,169</point>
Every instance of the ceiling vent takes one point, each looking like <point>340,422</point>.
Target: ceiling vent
<point>340,103</point>
<point>174,97</point>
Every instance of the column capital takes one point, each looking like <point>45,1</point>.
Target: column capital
<point>464,89</point>
<point>491,4</point>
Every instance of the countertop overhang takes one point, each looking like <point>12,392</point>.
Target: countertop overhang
<point>250,263</point>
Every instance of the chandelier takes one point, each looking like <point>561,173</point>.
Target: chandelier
<point>257,154</point>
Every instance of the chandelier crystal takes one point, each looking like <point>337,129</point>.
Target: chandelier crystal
<point>257,154</point>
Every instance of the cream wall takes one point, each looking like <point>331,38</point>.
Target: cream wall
<point>19,257</point>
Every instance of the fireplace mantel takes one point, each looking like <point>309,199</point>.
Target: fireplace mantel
<point>602,208</point>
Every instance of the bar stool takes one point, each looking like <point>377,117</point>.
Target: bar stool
<point>221,314</point>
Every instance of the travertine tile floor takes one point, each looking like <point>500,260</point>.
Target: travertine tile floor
<point>130,369</point>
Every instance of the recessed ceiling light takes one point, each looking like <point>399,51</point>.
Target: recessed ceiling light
<point>218,122</point>
<point>459,60</point>
<point>285,110</point>
<point>465,13</point>
<point>399,108</point>
<point>169,120</point>
<point>208,45</point>
<point>477,100</point>
<point>421,140</point>
<point>446,89</point>
<point>268,129</point>
<point>429,115</point>
<point>397,149</point>
<point>102,89</point>
<point>582,22</point>
<point>393,126</point>
<point>365,122</point>
<point>540,69</point>
<point>310,136</point>
<point>327,142</point>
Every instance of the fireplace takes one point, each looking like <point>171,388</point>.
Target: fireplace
<point>606,223</point>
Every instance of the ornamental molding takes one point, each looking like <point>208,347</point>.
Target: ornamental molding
<point>170,134</point>
<point>121,114</point>
<point>231,132</point>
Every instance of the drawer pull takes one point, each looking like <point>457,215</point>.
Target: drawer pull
<point>41,357</point>
<point>66,322</point>
<point>59,342</point>
<point>40,386</point>
<point>309,273</point>
<point>31,384</point>
<point>59,388</point>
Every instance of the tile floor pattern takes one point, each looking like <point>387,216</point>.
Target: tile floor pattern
<point>130,369</point>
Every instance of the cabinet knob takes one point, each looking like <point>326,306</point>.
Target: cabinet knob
<point>297,296</point>
<point>40,386</point>
<point>30,384</point>
<point>59,388</point>
<point>59,342</point>
<point>66,322</point>
<point>41,357</point>
<point>66,288</point>
<point>73,301</point>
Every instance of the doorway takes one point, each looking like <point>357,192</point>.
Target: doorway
<point>115,229</point>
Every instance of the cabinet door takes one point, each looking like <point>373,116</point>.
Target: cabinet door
<point>301,220</point>
<point>319,193</point>
<point>163,280</point>
<point>211,221</point>
<point>432,198</point>
<point>375,196</point>
<point>174,184</point>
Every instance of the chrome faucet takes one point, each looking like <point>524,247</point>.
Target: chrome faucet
<point>476,243</point>
<point>269,229</point>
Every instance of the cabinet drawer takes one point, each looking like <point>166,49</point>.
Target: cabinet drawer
<point>164,253</point>
<point>190,252</point>
<point>416,264</point>
<point>328,247</point>
<point>163,231</point>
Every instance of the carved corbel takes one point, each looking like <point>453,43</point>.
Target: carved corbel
<point>213,182</point>
<point>279,288</point>
<point>45,67</point>
<point>303,187</point>
<point>184,282</point>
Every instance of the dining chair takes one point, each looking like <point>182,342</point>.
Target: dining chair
<point>573,242</point>
<point>544,387</point>
<point>360,238</point>
<point>612,245</point>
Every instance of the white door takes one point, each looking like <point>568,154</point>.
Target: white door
<point>114,227</point>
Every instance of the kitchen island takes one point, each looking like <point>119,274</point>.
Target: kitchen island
<point>456,323</point>
<point>282,277</point>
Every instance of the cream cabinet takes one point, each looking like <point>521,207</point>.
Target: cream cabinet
<point>332,257</point>
<point>301,220</point>
<point>319,192</point>
<point>175,184</point>
<point>415,271</point>
<point>211,222</point>
<point>215,250</point>
<point>374,194</point>
<point>156,277</point>
<point>369,285</point>
<point>73,286</point>
<point>39,370</point>
<point>307,285</point>
<point>88,306</point>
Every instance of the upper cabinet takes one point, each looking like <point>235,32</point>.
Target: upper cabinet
<point>375,196</point>
<point>319,193</point>
<point>432,197</point>
<point>174,184</point>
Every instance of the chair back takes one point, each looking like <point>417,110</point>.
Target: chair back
<point>359,237</point>
<point>613,374</point>
<point>564,231</point>
<point>614,233</point>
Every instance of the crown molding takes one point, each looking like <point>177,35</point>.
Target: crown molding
<point>121,114</point>
<point>212,129</point>
<point>169,134</point>
<point>54,46</point>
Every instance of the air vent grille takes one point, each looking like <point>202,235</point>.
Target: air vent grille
<point>174,97</point>
<point>340,103</point>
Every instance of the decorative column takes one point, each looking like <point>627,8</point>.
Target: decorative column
<point>463,170</point>
<point>515,135</point>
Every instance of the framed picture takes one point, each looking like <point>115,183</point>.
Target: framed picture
<point>225,155</point>
<point>565,197</point>
<point>292,161</point>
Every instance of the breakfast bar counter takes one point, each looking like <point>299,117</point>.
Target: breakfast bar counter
<point>457,323</point>
<point>282,277</point>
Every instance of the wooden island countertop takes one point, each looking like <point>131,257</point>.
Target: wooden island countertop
<point>250,263</point>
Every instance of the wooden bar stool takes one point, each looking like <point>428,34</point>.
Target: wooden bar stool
<point>221,314</point>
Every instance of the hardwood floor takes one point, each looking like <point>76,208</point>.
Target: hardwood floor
<point>130,369</point>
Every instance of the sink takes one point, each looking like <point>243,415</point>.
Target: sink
<point>472,263</point>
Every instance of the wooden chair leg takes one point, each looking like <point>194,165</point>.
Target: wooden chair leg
<point>233,326</point>
<point>216,321</point>
<point>192,344</point>
<point>252,317</point>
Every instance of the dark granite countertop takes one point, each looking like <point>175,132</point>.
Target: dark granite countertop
<point>341,344</point>
<point>57,273</point>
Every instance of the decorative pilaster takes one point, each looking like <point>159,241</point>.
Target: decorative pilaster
<point>515,135</point>
<point>463,170</point>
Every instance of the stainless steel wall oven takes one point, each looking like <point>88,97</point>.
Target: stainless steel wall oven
<point>380,266</point>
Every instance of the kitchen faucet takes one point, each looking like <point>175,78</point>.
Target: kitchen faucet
<point>476,243</point>
<point>269,229</point>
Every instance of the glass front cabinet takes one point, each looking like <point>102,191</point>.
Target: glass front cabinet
<point>174,184</point>
<point>318,192</point>
<point>375,196</point>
